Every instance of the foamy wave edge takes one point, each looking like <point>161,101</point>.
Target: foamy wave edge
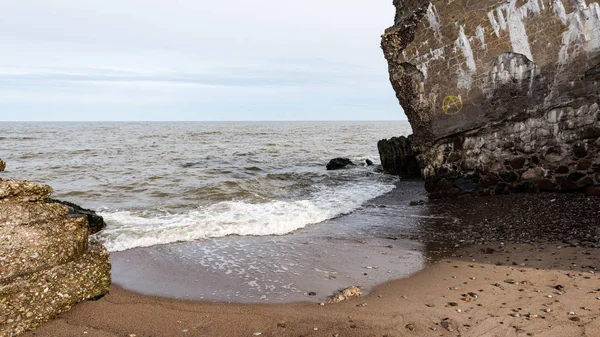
<point>127,230</point>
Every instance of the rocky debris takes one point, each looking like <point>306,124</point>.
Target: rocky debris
<point>398,158</point>
<point>2,165</point>
<point>339,163</point>
<point>345,294</point>
<point>514,110</point>
<point>95,222</point>
<point>504,219</point>
<point>47,264</point>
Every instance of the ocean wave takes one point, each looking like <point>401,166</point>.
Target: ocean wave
<point>128,229</point>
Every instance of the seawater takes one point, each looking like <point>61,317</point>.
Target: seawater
<point>165,182</point>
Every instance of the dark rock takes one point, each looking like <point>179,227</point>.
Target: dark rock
<point>568,186</point>
<point>517,163</point>
<point>579,149</point>
<point>509,177</point>
<point>430,186</point>
<point>98,297</point>
<point>2,165</point>
<point>575,176</point>
<point>526,187</point>
<point>95,222</point>
<point>369,162</point>
<point>546,185</point>
<point>501,188</point>
<point>585,181</point>
<point>562,169</point>
<point>339,163</point>
<point>398,157</point>
<point>466,185</point>
<point>488,181</point>
<point>590,132</point>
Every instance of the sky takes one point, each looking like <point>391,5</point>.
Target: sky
<point>113,60</point>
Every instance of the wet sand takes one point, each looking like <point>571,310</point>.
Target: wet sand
<point>519,265</point>
<point>307,265</point>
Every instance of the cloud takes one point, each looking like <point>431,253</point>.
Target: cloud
<point>121,56</point>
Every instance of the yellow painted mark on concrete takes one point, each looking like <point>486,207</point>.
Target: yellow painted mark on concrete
<point>452,105</point>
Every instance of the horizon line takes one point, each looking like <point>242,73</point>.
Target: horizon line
<point>205,121</point>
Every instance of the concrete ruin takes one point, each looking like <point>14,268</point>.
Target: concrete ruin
<point>47,262</point>
<point>503,96</point>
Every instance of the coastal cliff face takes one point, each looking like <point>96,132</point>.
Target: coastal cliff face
<point>502,95</point>
<point>47,264</point>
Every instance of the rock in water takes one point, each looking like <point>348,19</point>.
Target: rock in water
<point>339,163</point>
<point>48,264</point>
<point>517,100</point>
<point>398,158</point>
<point>95,222</point>
<point>369,162</point>
<point>2,165</point>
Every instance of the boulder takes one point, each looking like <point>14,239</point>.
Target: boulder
<point>2,165</point>
<point>47,262</point>
<point>339,163</point>
<point>398,158</point>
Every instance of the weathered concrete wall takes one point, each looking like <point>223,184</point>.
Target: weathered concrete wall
<point>46,262</point>
<point>502,95</point>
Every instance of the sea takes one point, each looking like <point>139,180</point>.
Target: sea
<point>245,207</point>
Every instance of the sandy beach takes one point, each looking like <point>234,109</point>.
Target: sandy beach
<point>515,283</point>
<point>537,291</point>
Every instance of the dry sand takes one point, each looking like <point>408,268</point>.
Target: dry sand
<point>518,298</point>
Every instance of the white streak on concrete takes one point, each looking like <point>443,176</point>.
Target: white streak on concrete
<point>464,45</point>
<point>432,55</point>
<point>464,79</point>
<point>501,20</point>
<point>518,33</point>
<point>494,23</point>
<point>434,22</point>
<point>532,6</point>
<point>583,31</point>
<point>480,33</point>
<point>559,10</point>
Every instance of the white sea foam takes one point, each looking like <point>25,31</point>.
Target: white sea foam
<point>128,229</point>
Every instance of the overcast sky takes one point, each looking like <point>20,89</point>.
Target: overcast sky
<point>194,60</point>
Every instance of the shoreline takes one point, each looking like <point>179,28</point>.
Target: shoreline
<point>504,300</point>
<point>502,282</point>
<point>348,250</point>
